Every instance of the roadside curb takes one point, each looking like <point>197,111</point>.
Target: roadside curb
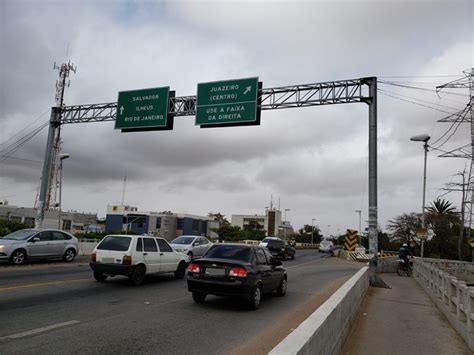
<point>325,331</point>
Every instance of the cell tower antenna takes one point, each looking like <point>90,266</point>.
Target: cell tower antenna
<point>61,84</point>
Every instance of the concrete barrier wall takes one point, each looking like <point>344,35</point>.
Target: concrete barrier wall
<point>452,296</point>
<point>326,330</point>
<point>85,248</point>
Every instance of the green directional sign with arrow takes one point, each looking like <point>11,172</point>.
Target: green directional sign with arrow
<point>227,101</point>
<point>145,108</point>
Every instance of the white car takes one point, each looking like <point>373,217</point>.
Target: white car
<point>265,241</point>
<point>136,256</point>
<point>326,246</point>
<point>192,245</point>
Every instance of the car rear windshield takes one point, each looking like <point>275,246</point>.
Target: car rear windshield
<point>234,252</point>
<point>115,243</point>
<point>182,240</point>
<point>326,242</point>
<point>276,243</point>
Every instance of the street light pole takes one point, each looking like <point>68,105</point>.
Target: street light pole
<point>360,225</point>
<point>284,224</point>
<point>423,138</point>
<point>61,158</point>
<point>312,231</point>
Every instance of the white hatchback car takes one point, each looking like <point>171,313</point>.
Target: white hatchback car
<point>136,256</point>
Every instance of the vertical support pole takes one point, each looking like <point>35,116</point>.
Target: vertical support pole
<point>425,147</point>
<point>373,233</point>
<point>48,155</point>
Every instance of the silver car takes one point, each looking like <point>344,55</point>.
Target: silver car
<point>192,245</point>
<point>26,244</point>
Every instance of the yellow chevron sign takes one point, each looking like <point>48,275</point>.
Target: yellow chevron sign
<point>471,241</point>
<point>351,240</point>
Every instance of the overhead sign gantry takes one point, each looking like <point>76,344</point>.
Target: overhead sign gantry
<point>324,93</point>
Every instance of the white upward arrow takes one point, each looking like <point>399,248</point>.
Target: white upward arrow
<point>121,109</point>
<point>247,89</point>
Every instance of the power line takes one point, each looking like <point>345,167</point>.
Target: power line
<point>412,102</point>
<point>418,99</point>
<point>420,88</point>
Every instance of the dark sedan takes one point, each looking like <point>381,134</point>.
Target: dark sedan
<point>241,270</point>
<point>281,249</point>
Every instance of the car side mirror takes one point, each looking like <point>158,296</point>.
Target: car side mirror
<point>34,239</point>
<point>275,262</point>
<point>195,244</point>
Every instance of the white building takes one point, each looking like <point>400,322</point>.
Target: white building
<point>271,222</point>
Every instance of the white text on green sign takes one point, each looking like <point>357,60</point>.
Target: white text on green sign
<point>142,108</point>
<point>230,101</point>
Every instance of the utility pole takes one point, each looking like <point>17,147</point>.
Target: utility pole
<point>462,187</point>
<point>463,116</point>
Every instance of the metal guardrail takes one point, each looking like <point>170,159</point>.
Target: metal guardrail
<point>451,295</point>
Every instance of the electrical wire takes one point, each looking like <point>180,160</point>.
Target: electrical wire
<point>412,102</point>
<point>13,147</point>
<point>421,100</point>
<point>420,88</point>
<point>26,127</point>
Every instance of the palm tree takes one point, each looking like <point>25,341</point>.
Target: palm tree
<point>444,219</point>
<point>442,207</point>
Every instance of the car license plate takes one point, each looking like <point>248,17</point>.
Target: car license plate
<point>108,260</point>
<point>215,271</point>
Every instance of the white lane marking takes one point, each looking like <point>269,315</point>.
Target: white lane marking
<point>39,330</point>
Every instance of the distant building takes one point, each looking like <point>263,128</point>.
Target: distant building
<point>271,222</point>
<point>71,221</point>
<point>165,224</point>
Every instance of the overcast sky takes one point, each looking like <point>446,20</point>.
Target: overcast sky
<point>313,160</point>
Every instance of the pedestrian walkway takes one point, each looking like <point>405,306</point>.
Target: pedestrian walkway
<point>402,320</point>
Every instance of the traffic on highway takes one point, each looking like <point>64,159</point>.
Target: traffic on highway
<point>56,306</point>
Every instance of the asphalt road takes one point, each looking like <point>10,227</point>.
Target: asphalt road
<point>59,308</point>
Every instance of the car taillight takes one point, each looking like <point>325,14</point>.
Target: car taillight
<point>238,272</point>
<point>193,267</point>
<point>93,257</point>
<point>127,260</point>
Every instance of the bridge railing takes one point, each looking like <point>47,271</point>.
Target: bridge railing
<point>451,295</point>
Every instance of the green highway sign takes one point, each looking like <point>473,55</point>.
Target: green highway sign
<point>227,101</point>
<point>141,109</point>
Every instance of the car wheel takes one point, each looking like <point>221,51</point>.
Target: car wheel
<point>69,255</point>
<point>180,271</point>
<point>281,290</point>
<point>293,257</point>
<point>18,257</point>
<point>255,297</point>
<point>99,276</point>
<point>138,275</point>
<point>199,297</point>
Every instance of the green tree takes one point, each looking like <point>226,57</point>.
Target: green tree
<point>254,231</point>
<point>229,233</point>
<point>445,222</point>
<point>403,230</point>
<point>219,217</point>
<point>304,234</point>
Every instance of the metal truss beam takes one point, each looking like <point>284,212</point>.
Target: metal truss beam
<point>460,116</point>
<point>327,93</point>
